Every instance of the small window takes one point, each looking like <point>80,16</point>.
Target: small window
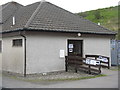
<point>0,46</point>
<point>17,42</point>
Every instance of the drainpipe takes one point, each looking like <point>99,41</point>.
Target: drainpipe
<point>24,53</point>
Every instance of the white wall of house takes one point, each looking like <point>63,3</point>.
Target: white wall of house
<point>0,58</point>
<point>12,57</point>
<point>97,46</point>
<point>0,61</point>
<point>100,46</point>
<point>43,50</point>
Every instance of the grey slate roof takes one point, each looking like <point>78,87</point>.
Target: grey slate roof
<point>45,16</point>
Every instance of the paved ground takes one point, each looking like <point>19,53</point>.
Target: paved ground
<point>0,80</point>
<point>110,81</point>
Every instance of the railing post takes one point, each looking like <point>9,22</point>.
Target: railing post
<point>99,69</point>
<point>89,69</point>
<point>75,69</point>
<point>66,69</point>
<point>75,66</point>
<point>108,63</point>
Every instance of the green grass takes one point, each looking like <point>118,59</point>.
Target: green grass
<point>115,68</point>
<point>108,17</point>
<point>58,79</point>
<point>67,79</point>
<point>119,68</point>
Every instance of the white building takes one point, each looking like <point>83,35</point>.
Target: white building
<point>36,38</point>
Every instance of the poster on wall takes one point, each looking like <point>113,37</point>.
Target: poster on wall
<point>70,45</point>
<point>70,50</point>
<point>62,54</point>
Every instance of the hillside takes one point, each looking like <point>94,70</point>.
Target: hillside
<point>107,17</point>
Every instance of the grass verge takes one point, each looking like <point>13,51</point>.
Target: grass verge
<point>58,79</point>
<point>67,79</point>
<point>116,68</point>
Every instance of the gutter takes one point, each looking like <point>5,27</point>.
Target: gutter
<point>9,31</point>
<point>24,53</point>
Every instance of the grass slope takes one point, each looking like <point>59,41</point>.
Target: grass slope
<point>107,17</point>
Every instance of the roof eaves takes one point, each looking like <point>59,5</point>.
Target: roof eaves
<point>47,30</point>
<point>70,31</point>
<point>8,31</point>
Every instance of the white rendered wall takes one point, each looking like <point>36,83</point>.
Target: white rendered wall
<point>100,46</point>
<point>97,46</point>
<point>43,53</point>
<point>43,50</point>
<point>12,57</point>
<point>0,58</point>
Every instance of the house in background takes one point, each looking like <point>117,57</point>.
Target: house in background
<point>37,37</point>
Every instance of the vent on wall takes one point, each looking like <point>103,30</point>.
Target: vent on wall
<point>13,20</point>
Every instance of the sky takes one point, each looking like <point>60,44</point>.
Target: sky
<point>73,6</point>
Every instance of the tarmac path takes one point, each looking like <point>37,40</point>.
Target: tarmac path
<point>109,81</point>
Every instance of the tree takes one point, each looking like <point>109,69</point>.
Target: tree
<point>83,14</point>
<point>97,14</point>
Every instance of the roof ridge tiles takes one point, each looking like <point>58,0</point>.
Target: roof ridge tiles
<point>33,15</point>
<point>17,5</point>
<point>5,6</point>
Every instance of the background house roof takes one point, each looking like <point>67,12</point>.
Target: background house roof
<point>47,17</point>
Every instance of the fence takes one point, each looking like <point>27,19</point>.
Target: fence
<point>105,62</point>
<point>118,52</point>
<point>79,63</point>
<point>115,52</point>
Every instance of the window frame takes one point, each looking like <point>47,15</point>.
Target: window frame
<point>17,42</point>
